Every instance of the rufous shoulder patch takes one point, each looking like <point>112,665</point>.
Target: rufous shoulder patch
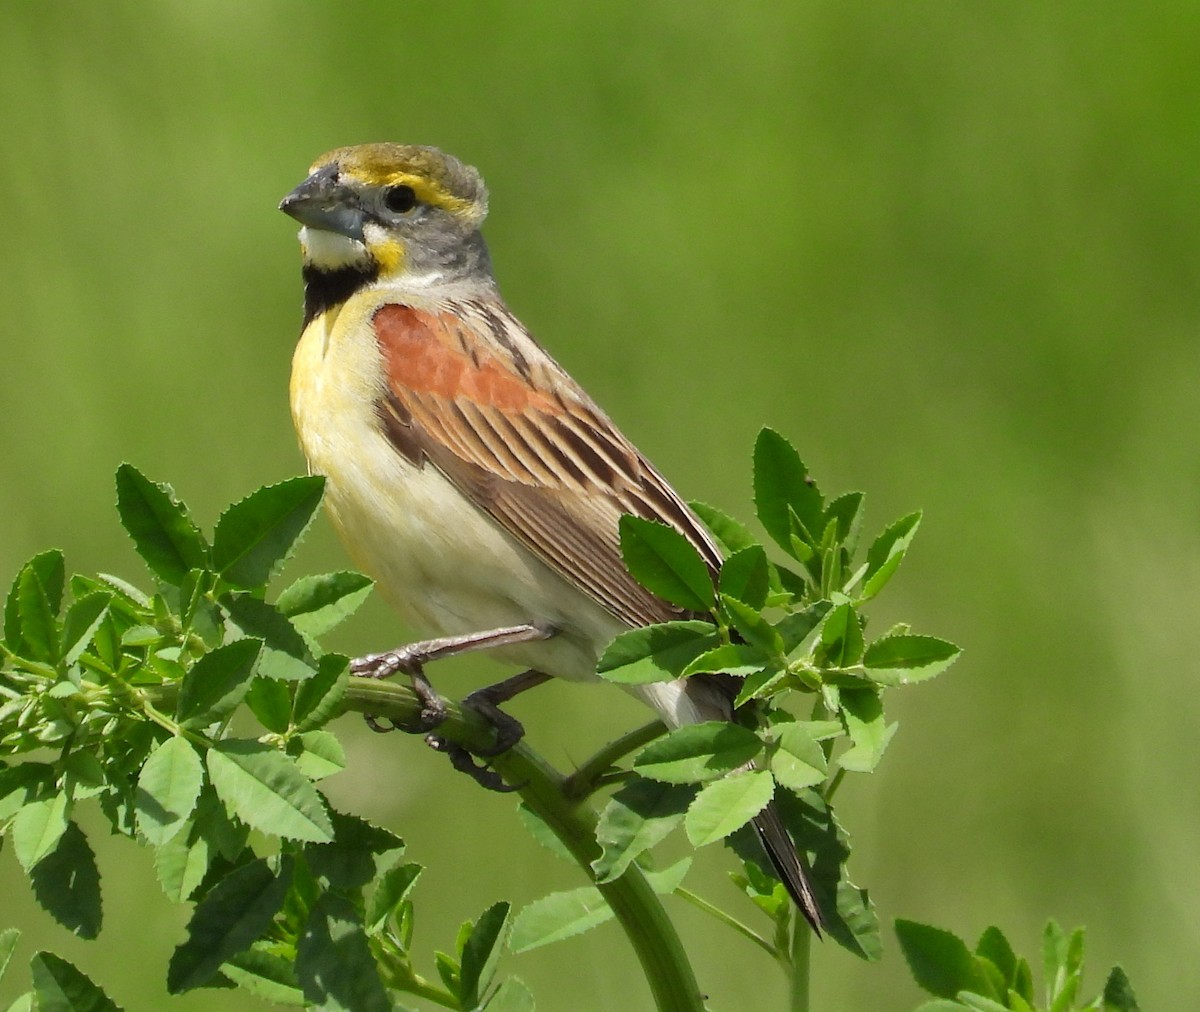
<point>432,353</point>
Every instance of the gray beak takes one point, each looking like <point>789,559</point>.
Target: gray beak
<point>321,202</point>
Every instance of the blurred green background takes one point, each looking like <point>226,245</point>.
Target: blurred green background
<point>951,250</point>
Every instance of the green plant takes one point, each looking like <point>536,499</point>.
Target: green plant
<point>142,702</point>
<point>994,978</point>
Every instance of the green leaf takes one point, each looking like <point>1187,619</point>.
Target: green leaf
<point>334,963</point>
<point>285,654</point>
<point>1054,957</point>
<point>182,862</point>
<point>24,1003</point>
<point>782,488</point>
<point>746,577</point>
<point>358,852</point>
<point>31,609</point>
<point>841,638</point>
<point>39,623</point>
<point>391,891</point>
<point>752,626</point>
<point>902,659</point>
<point>265,974</point>
<point>511,996</point>
<point>857,926</point>
<point>447,968</point>
<point>995,948</point>
<point>669,879</point>
<point>862,712</point>
<point>798,761</point>
<point>225,834</point>
<point>238,910</point>
<point>997,989</point>
<point>540,830</point>
<point>216,683</point>
<point>739,659</point>
<point>847,511</point>
<point>557,916</point>
<point>795,627</point>
<point>38,827</point>
<point>50,570</point>
<point>62,988</point>
<point>698,752</point>
<point>940,962</point>
<point>162,532</point>
<point>263,788</point>
<point>8,944</point>
<point>638,816</point>
<point>656,653</point>
<point>318,754</point>
<point>255,536</point>
<point>887,552</point>
<point>979,1003</point>
<point>82,620</point>
<point>481,952</point>
<point>732,535</point>
<point>726,805</point>
<point>271,702</point>
<point>167,789</point>
<point>1118,992</point>
<point>317,698</point>
<point>1023,981</point>
<point>761,685</point>
<point>317,604</point>
<point>66,883</point>
<point>23,783</point>
<point>666,563</point>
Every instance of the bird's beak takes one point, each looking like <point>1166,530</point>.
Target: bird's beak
<point>322,203</point>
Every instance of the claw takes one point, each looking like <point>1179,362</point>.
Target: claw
<point>464,762</point>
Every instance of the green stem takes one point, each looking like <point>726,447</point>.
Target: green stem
<point>801,955</point>
<point>729,921</point>
<point>591,774</point>
<point>420,987</point>
<point>634,904</point>
<point>834,784</point>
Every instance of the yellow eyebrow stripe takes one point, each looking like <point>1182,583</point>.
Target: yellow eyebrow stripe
<point>427,191</point>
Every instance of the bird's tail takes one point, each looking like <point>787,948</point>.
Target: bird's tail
<point>696,699</point>
<point>788,865</point>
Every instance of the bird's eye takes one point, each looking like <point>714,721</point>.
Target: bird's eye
<point>400,199</point>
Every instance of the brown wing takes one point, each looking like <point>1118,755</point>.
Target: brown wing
<point>469,392</point>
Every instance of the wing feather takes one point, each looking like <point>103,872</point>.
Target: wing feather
<point>511,429</point>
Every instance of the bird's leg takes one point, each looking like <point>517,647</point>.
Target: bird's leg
<point>411,659</point>
<point>486,702</point>
<point>508,729</point>
<point>412,655</point>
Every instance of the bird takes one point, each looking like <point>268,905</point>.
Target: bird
<point>465,470</point>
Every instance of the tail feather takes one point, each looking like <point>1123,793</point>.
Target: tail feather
<point>704,698</point>
<point>788,865</point>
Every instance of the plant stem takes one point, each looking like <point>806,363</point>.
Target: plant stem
<point>701,903</point>
<point>801,956</point>
<point>634,904</point>
<point>590,775</point>
<point>420,987</point>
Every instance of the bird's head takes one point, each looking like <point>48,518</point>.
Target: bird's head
<point>393,213</point>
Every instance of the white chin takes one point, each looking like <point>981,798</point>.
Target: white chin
<point>331,249</point>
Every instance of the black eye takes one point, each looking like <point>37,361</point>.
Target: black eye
<point>400,199</point>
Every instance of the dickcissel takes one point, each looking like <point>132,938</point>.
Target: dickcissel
<point>465,470</point>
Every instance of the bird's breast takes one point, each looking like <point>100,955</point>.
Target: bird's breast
<point>436,557</point>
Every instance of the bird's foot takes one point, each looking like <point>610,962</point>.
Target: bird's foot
<point>433,706</point>
<point>463,761</point>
